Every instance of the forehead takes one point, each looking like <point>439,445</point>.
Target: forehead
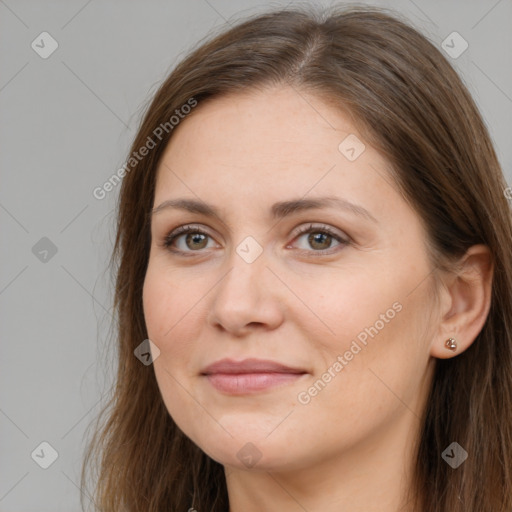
<point>276,124</point>
<point>269,145</point>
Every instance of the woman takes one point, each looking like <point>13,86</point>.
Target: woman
<point>314,235</point>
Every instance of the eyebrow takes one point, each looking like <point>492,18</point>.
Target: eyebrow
<point>278,210</point>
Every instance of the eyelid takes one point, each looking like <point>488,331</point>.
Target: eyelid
<point>310,226</point>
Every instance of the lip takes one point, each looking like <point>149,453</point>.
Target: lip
<point>249,366</point>
<point>250,375</point>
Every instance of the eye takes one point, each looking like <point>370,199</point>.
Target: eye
<point>320,238</point>
<point>193,239</point>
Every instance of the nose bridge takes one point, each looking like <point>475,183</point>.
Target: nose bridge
<point>243,296</point>
<point>246,274</point>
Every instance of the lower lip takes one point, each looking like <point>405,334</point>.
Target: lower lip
<point>238,384</point>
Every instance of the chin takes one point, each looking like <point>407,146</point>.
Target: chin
<point>251,452</point>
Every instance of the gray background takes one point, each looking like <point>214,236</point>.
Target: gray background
<point>67,122</point>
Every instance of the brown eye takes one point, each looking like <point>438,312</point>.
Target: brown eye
<point>320,239</point>
<point>187,239</point>
<point>196,240</point>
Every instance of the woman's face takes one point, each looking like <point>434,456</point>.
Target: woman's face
<point>342,304</point>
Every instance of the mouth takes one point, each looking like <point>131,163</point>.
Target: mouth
<point>250,375</point>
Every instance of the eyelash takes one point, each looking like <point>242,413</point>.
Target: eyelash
<point>171,237</point>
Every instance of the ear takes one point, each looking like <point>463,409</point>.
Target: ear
<point>466,302</point>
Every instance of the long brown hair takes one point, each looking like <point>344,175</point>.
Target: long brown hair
<point>412,106</point>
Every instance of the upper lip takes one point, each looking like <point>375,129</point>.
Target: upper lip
<point>249,366</point>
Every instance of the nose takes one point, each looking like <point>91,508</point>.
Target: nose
<point>247,297</point>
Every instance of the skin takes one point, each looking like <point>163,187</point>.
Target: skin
<point>350,447</point>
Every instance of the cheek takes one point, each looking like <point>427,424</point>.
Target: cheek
<point>170,321</point>
<point>167,301</point>
<point>364,385</point>
<point>379,333</point>
<point>387,365</point>
<point>348,303</point>
<point>157,303</point>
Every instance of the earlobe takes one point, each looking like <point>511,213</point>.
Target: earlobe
<point>470,301</point>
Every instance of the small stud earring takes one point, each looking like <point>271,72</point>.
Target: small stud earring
<point>451,344</point>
